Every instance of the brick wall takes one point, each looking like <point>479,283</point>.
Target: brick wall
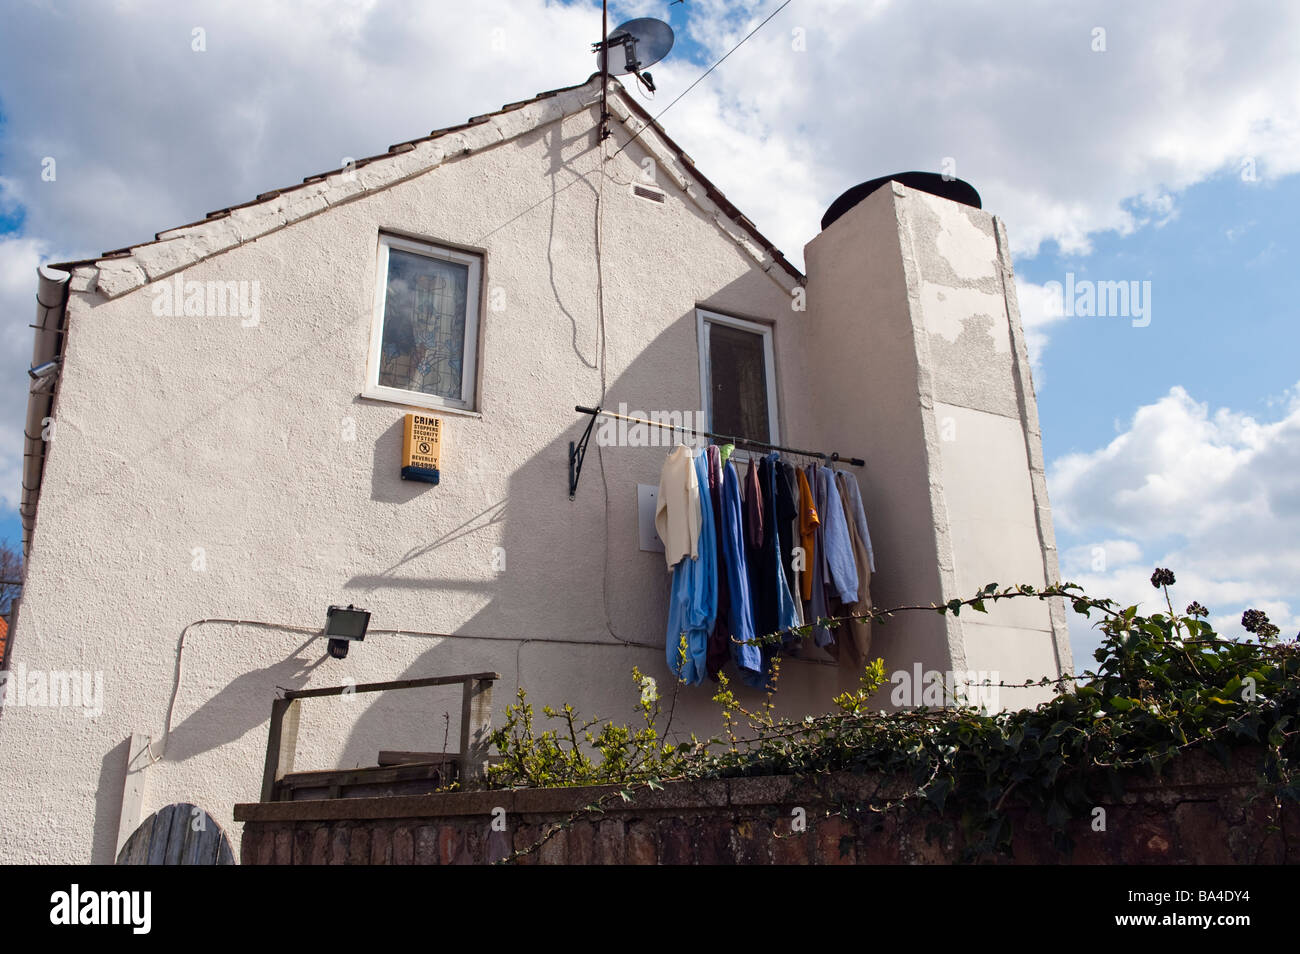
<point>1198,813</point>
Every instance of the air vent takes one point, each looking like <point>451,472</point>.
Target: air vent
<point>645,192</point>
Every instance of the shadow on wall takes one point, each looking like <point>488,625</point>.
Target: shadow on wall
<point>530,529</point>
<point>623,592</point>
<point>389,577</point>
<point>388,448</point>
<point>240,706</point>
<point>623,595</point>
<point>556,144</point>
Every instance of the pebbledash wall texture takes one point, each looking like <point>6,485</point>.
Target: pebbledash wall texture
<point>212,483</point>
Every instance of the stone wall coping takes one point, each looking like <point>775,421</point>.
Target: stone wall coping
<point>1189,773</point>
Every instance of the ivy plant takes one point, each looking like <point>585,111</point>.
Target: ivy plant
<point>1163,684</point>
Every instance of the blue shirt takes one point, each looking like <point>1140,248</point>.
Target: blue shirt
<point>744,652</point>
<point>693,596</point>
<point>840,564</point>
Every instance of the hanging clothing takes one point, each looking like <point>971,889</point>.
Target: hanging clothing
<point>677,507</point>
<point>774,607</point>
<point>817,608</point>
<point>744,651</point>
<point>785,509</point>
<point>787,512</point>
<point>719,647</point>
<point>853,638</point>
<point>852,496</point>
<point>753,507</point>
<point>839,565</point>
<point>808,522</point>
<point>693,595</point>
<point>753,522</point>
<point>790,533</point>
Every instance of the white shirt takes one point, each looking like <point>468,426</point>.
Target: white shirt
<point>677,508</point>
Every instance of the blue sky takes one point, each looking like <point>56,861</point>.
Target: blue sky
<point>1223,281</point>
<point>1223,291</point>
<point>1173,444</point>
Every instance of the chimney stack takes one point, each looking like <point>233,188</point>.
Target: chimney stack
<point>913,318</point>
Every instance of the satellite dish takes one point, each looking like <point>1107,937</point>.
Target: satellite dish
<point>636,45</point>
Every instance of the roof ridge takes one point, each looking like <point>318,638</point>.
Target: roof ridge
<point>119,271</point>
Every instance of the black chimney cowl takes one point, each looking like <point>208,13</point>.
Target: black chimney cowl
<point>931,182</point>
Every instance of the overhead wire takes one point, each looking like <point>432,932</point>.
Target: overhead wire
<point>701,77</point>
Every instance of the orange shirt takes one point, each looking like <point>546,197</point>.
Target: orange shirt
<point>808,521</point>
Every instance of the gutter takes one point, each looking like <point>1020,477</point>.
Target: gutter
<point>51,317</point>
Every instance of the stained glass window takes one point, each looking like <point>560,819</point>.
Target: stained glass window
<point>423,348</point>
<point>423,345</point>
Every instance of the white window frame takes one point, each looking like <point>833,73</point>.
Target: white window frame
<point>469,362</point>
<point>705,318</point>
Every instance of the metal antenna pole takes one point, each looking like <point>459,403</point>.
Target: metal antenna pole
<point>604,69</point>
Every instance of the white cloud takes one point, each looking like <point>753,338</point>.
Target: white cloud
<point>1096,557</point>
<point>1180,467</point>
<point>1214,496</point>
<point>1061,141</point>
<point>149,134</point>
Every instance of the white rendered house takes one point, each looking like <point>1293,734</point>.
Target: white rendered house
<point>216,456</point>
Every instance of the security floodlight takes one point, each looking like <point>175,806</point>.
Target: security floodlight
<point>342,625</point>
<point>44,370</point>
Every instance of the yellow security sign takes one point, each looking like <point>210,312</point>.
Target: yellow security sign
<point>422,448</point>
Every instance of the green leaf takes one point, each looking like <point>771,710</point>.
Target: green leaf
<point>938,792</point>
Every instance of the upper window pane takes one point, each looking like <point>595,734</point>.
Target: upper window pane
<point>737,377</point>
<point>424,325</point>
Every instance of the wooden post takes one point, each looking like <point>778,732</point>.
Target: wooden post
<point>280,744</point>
<point>475,727</point>
<point>133,788</point>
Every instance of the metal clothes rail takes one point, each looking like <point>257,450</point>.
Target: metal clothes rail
<point>578,449</point>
